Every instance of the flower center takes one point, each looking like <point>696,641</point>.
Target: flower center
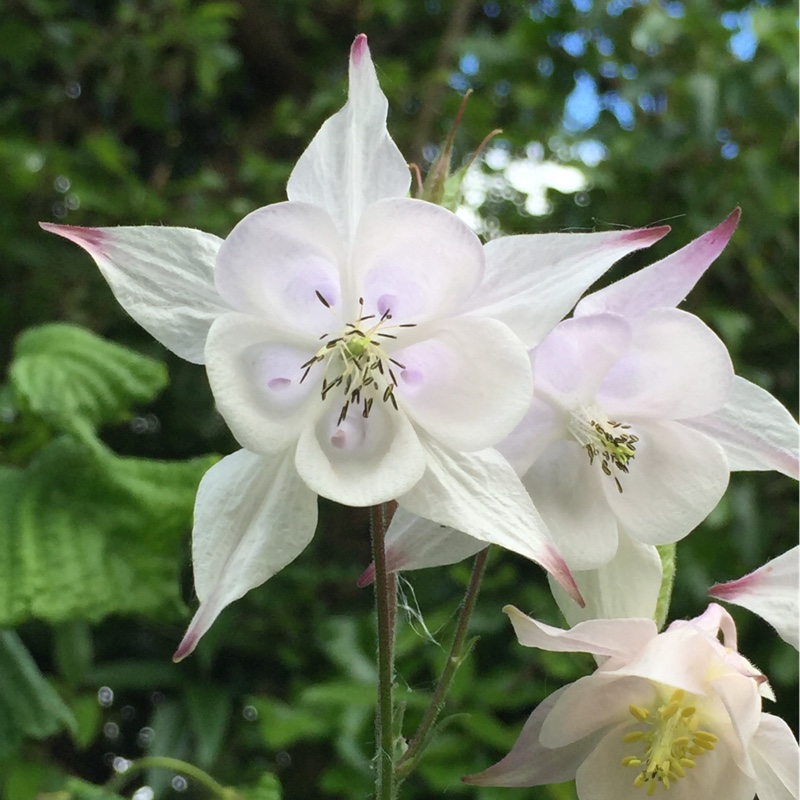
<point>672,742</point>
<point>610,442</point>
<point>355,361</point>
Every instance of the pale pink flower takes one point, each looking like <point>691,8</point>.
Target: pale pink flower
<point>676,714</point>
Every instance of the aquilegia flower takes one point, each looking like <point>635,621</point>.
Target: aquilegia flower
<point>361,345</point>
<point>772,592</point>
<point>635,422</point>
<point>678,710</point>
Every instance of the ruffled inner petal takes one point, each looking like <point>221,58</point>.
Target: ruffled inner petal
<point>676,368</point>
<point>414,259</point>
<point>360,461</point>
<point>674,482</point>
<point>468,385</point>
<point>571,363</point>
<point>282,262</point>
<point>255,373</point>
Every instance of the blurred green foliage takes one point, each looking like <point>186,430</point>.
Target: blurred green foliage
<point>187,112</point>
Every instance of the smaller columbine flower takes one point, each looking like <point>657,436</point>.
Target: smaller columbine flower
<point>772,592</point>
<point>676,714</point>
<point>635,422</point>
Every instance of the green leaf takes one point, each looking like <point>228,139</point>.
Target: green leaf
<point>74,379</point>
<point>209,710</point>
<point>267,788</point>
<point>84,535</point>
<point>29,706</point>
<point>78,789</point>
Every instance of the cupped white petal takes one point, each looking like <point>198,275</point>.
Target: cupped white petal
<point>530,763</point>
<point>755,430</point>
<point>595,703</point>
<point>776,760</point>
<point>603,777</point>
<point>468,384</point>
<point>679,657</point>
<point>255,372</point>
<point>360,461</point>
<point>771,591</point>
<point>740,698</point>
<point>352,162</point>
<point>627,586</point>
<point>253,516</point>
<point>571,363</point>
<point>544,422</point>
<point>665,283</point>
<point>675,368</point>
<point>282,262</point>
<point>163,277</point>
<point>566,490</point>
<point>413,542</point>
<point>479,494</point>
<point>675,481</point>
<point>414,259</point>
<point>532,281</point>
<point>617,638</point>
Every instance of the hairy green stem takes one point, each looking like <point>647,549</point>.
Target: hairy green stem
<point>385,602</point>
<point>115,784</point>
<point>416,747</point>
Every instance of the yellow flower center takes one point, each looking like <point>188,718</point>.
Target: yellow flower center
<point>610,444</point>
<point>356,362</point>
<point>672,742</point>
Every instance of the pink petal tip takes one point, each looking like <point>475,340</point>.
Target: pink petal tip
<point>367,577</point>
<point>87,238</point>
<point>358,49</point>
<point>558,568</point>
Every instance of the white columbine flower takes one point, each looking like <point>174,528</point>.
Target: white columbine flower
<point>361,345</point>
<point>772,592</point>
<point>635,422</point>
<point>675,715</point>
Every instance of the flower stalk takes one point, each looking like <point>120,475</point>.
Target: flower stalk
<point>455,657</point>
<point>385,604</point>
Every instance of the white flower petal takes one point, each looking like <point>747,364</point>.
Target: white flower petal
<point>771,592</point>
<point>479,494</point>
<point>532,281</point>
<point>163,277</point>
<point>352,161</point>
<point>665,283</point>
<point>467,385</point>
<point>618,638</point>
<point>530,763</point>
<point>739,696</point>
<point>675,368</point>
<point>755,430</point>
<point>675,481</point>
<point>255,372</point>
<point>278,261</point>
<point>360,462</point>
<point>627,586</point>
<point>415,259</point>
<point>413,542</point>
<point>593,704</point>
<point>253,516</point>
<point>571,363</point>
<point>776,760</point>
<point>602,776</point>
<point>542,425</point>
<point>565,488</point>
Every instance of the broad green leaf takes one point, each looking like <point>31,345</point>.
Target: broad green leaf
<point>74,379</point>
<point>77,789</point>
<point>85,534</point>
<point>29,706</point>
<point>209,709</point>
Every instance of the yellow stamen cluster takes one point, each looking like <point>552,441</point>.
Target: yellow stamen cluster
<point>672,742</point>
<point>357,360</point>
